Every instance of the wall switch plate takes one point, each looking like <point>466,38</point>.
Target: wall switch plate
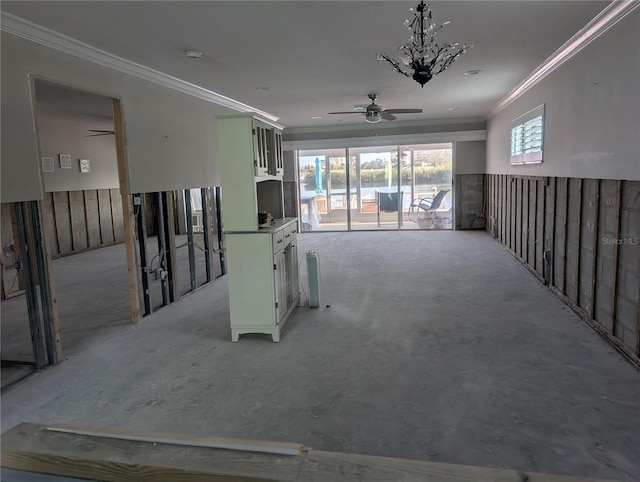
<point>85,165</point>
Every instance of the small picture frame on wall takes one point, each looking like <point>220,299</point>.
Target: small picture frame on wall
<point>65,161</point>
<point>85,165</point>
<point>47,164</point>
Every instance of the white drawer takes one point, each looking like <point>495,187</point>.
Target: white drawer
<point>278,240</point>
<point>293,230</point>
<point>287,235</point>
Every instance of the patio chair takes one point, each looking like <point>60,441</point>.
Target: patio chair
<point>388,202</point>
<point>423,210</point>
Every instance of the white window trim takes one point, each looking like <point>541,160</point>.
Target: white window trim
<point>520,156</point>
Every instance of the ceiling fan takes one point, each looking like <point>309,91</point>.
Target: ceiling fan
<point>99,132</point>
<point>375,113</point>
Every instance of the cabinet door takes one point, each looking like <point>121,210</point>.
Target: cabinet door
<point>280,262</point>
<point>292,273</point>
<point>277,155</point>
<point>261,161</point>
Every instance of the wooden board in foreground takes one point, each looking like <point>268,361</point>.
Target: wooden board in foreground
<point>33,448</point>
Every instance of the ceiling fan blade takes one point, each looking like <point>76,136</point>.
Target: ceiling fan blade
<point>101,130</point>
<point>103,134</point>
<point>403,111</point>
<point>347,112</point>
<point>387,116</point>
<point>350,117</point>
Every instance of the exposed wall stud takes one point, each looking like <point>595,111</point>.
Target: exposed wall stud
<point>31,290</point>
<point>192,254</point>
<point>51,327</point>
<point>594,266</point>
<point>218,197</point>
<point>170,244</point>
<point>162,249</point>
<point>204,193</point>
<point>614,288</point>
<point>128,217</point>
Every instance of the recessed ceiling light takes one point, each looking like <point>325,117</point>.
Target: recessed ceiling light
<point>193,54</point>
<point>316,117</point>
<point>472,72</point>
<point>263,89</point>
<point>454,108</point>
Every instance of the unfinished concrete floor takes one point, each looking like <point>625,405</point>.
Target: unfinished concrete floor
<point>435,346</point>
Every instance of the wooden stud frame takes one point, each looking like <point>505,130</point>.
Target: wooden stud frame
<point>513,200</point>
<point>127,212</point>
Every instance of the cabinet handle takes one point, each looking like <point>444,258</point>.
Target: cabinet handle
<point>279,241</point>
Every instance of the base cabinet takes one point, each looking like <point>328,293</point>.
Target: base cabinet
<point>263,279</point>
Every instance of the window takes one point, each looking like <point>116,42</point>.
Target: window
<point>527,137</point>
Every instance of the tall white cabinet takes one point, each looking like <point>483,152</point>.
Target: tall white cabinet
<point>262,261</point>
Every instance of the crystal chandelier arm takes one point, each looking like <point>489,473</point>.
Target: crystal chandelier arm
<point>396,65</point>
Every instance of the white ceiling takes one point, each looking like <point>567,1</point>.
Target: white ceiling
<point>320,56</point>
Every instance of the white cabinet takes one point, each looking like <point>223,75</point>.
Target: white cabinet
<point>263,279</point>
<point>262,262</point>
<point>251,170</point>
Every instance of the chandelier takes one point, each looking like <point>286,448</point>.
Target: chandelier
<point>421,53</point>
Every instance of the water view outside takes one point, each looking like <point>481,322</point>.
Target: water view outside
<point>423,170</point>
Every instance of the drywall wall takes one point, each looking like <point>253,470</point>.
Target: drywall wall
<point>470,157</point>
<point>592,112</point>
<point>171,136</point>
<point>66,134</point>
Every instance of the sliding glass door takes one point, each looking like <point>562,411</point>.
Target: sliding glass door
<point>427,184</point>
<point>372,188</point>
<point>377,199</point>
<point>323,188</point>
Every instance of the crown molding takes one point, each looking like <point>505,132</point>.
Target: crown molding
<point>36,33</point>
<point>612,14</point>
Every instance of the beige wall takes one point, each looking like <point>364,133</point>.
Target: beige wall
<point>171,136</point>
<point>470,157</point>
<point>592,118</point>
<point>66,134</point>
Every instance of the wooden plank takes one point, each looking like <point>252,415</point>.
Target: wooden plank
<point>560,230</point>
<point>533,206</point>
<point>117,215</point>
<point>50,326</point>
<point>170,243</point>
<point>127,214</point>
<point>245,445</point>
<point>17,253</point>
<point>92,218</point>
<point>62,218</point>
<point>540,220</point>
<point>32,448</point>
<point>566,235</point>
<point>513,203</point>
<point>524,224</point>
<point>47,213</point>
<point>107,235</point>
<point>78,226</point>
<point>504,209</point>
<point>614,288</point>
<point>595,244</point>
<point>572,261</point>
<point>549,229</point>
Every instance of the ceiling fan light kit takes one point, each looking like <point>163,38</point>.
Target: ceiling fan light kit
<point>374,113</point>
<point>421,53</point>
